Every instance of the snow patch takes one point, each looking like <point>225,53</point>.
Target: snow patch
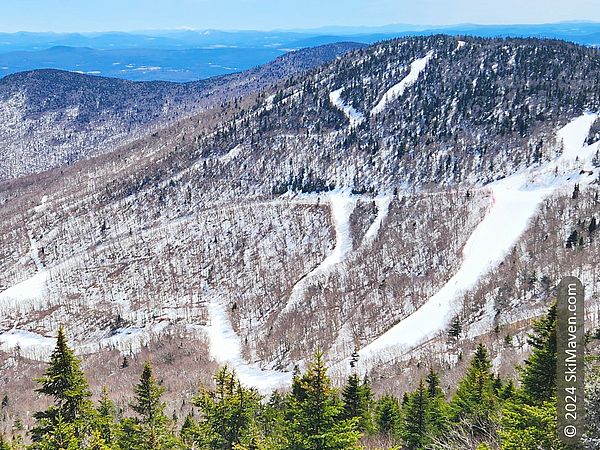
<point>354,116</point>
<point>30,345</point>
<point>416,67</point>
<point>231,154</point>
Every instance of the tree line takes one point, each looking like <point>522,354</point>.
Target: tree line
<point>486,412</point>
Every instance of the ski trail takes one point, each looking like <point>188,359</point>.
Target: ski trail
<point>383,208</point>
<point>341,205</point>
<point>515,200</point>
<point>226,347</point>
<point>416,67</point>
<point>355,117</point>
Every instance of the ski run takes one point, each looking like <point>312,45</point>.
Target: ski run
<point>342,205</point>
<point>355,117</point>
<point>416,67</point>
<point>226,348</point>
<point>515,200</point>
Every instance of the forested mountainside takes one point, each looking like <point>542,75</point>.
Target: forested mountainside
<point>51,118</point>
<point>401,203</point>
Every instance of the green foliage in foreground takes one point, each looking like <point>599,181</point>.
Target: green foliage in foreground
<point>485,413</point>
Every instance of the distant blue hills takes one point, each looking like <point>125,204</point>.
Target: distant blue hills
<point>186,55</point>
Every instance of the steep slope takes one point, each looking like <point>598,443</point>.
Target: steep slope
<point>285,225</point>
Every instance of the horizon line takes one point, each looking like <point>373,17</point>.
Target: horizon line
<point>412,27</point>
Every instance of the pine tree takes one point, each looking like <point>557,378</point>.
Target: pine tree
<point>315,412</point>
<point>455,328</point>
<point>65,383</point>
<point>4,444</point>
<point>272,419</point>
<point>188,431</point>
<point>356,399</point>
<point>60,437</point>
<point>526,427</point>
<point>538,377</point>
<point>437,406</point>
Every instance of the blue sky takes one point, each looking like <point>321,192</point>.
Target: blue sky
<point>128,15</point>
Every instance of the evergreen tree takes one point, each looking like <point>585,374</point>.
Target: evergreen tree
<point>356,399</point>
<point>538,377</point>
<point>315,412</point>
<point>65,383</point>
<point>475,399</point>
<point>189,431</point>
<point>273,420</point>
<point>387,415</point>
<point>416,423</point>
<point>455,328</point>
<point>60,437</point>
<point>526,427</point>
<point>437,406</point>
<point>96,442</point>
<point>228,412</point>
<point>4,444</point>
<point>106,423</point>
<point>150,430</point>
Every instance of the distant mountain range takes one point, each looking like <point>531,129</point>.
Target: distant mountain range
<point>187,55</point>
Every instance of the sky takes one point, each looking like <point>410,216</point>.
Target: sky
<point>135,15</point>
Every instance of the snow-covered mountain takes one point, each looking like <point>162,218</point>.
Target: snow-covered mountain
<point>371,204</point>
<point>50,118</point>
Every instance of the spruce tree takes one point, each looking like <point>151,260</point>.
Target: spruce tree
<point>415,423</point>
<point>150,430</point>
<point>437,406</point>
<point>106,423</point>
<point>526,427</point>
<point>4,444</point>
<point>65,383</point>
<point>188,431</point>
<point>475,399</point>
<point>228,413</point>
<point>356,399</point>
<point>538,377</point>
<point>315,412</point>
<point>60,437</point>
<point>387,415</point>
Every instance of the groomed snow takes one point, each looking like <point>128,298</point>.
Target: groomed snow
<point>342,205</point>
<point>416,67</point>
<point>355,117</point>
<point>226,348</point>
<point>515,200</point>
